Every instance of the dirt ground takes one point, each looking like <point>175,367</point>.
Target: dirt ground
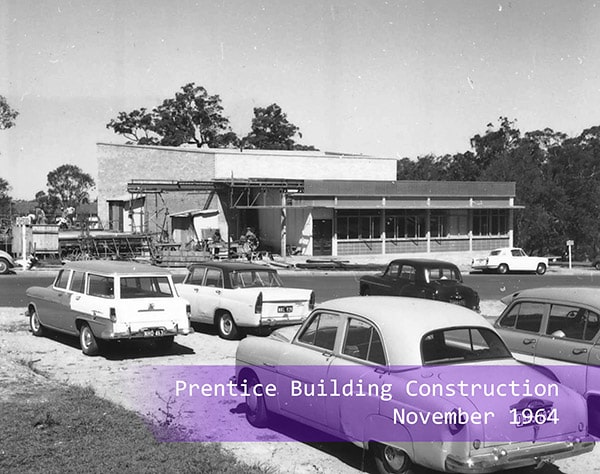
<point>28,364</point>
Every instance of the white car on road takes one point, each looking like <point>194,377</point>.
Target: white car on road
<point>510,259</point>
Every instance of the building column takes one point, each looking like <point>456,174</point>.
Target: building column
<point>428,229</point>
<point>511,216</point>
<point>470,226</point>
<point>283,226</point>
<point>382,229</point>
<point>334,235</point>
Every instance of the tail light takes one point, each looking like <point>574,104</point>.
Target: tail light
<point>188,310</point>
<point>311,302</point>
<point>259,304</point>
<point>113,315</point>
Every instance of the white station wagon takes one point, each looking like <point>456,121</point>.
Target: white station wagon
<point>101,300</point>
<point>509,259</point>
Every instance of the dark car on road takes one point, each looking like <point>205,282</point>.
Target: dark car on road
<point>421,278</point>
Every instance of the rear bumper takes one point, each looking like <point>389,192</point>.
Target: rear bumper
<point>279,322</point>
<point>150,332</point>
<point>518,455</point>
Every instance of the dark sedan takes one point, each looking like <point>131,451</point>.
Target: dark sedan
<point>421,278</point>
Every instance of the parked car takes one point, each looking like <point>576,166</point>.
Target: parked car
<point>421,278</point>
<point>596,263</point>
<point>558,328</point>
<point>6,262</point>
<point>382,348</point>
<point>510,259</point>
<point>103,301</point>
<point>236,296</point>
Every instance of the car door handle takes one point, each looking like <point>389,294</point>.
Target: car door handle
<point>195,290</point>
<point>218,292</point>
<point>327,354</point>
<point>529,341</point>
<point>266,364</point>
<point>579,351</point>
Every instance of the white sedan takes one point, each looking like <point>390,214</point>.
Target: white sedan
<point>509,259</point>
<point>235,296</point>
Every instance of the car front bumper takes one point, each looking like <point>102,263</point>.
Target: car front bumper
<point>518,455</point>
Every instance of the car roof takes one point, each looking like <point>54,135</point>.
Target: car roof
<point>589,296</point>
<point>423,262</point>
<point>111,267</point>
<point>404,321</point>
<point>232,266</point>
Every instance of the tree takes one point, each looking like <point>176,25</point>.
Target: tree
<point>69,185</point>
<point>5,199</point>
<point>191,117</point>
<point>271,130</point>
<point>495,142</point>
<point>7,114</point>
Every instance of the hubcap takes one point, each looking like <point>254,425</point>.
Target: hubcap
<point>394,457</point>
<point>226,324</point>
<point>86,337</point>
<point>35,324</point>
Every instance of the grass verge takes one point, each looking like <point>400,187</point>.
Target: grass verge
<point>70,429</point>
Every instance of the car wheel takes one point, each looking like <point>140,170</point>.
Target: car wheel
<point>597,265</point>
<point>4,266</point>
<point>87,340</point>
<point>503,268</point>
<point>226,326</point>
<point>165,343</point>
<point>365,291</point>
<point>34,324</point>
<point>256,408</point>
<point>541,269</point>
<point>391,460</point>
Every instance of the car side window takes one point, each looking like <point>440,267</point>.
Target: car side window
<point>101,286</point>
<point>196,276</point>
<point>77,282</point>
<point>392,270</point>
<point>363,342</point>
<point>573,323</point>
<point>526,316</point>
<point>214,278</point>
<point>408,272</point>
<point>322,331</point>
<point>62,279</point>
<point>516,253</point>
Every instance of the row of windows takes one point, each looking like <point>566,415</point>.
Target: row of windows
<point>410,224</point>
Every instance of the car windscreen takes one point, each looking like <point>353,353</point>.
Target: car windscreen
<point>145,287</point>
<point>254,279</point>
<point>442,273</point>
<point>467,344</point>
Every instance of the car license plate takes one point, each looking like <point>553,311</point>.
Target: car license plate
<point>285,309</point>
<point>153,332</point>
<point>538,417</point>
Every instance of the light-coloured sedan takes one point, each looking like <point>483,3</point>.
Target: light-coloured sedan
<point>510,259</point>
<point>239,296</point>
<point>413,381</point>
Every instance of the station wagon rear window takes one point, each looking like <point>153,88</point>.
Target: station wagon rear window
<point>102,286</point>
<point>145,287</point>
<point>458,345</point>
<point>254,278</point>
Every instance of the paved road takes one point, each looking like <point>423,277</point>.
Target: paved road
<point>329,285</point>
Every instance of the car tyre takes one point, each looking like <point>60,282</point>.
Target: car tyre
<point>87,340</point>
<point>541,269</point>
<point>34,324</point>
<point>503,268</point>
<point>597,265</point>
<point>390,460</point>
<point>256,408</point>
<point>226,326</point>
<point>4,266</point>
<point>365,291</point>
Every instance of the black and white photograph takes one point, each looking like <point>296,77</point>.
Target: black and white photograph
<point>300,236</point>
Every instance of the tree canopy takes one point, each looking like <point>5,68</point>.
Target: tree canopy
<point>7,114</point>
<point>271,130</point>
<point>195,117</point>
<point>5,198</point>
<point>557,181</point>
<point>68,186</point>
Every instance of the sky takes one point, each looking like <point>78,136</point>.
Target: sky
<point>388,78</point>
